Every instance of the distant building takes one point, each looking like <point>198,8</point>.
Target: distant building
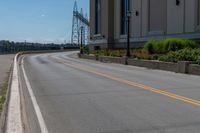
<point>150,19</point>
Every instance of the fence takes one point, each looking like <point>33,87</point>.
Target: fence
<point>7,47</point>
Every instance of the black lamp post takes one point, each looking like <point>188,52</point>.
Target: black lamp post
<point>128,54</point>
<point>81,46</point>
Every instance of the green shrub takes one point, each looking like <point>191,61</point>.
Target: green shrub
<point>198,60</point>
<point>109,52</point>
<point>175,44</point>
<point>149,46</point>
<point>168,45</point>
<point>182,55</point>
<point>141,54</point>
<point>86,50</point>
<point>170,57</point>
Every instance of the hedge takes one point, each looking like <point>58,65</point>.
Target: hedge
<point>182,55</point>
<point>167,45</point>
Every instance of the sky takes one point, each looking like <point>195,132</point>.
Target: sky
<point>43,21</point>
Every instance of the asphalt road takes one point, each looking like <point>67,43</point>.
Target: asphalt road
<point>81,96</point>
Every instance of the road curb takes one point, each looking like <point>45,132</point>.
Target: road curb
<point>14,119</point>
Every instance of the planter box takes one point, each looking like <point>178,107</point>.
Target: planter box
<point>194,69</point>
<point>106,59</point>
<point>167,66</point>
<point>143,63</point>
<point>90,57</point>
<point>180,67</point>
<point>183,66</point>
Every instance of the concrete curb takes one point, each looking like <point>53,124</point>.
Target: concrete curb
<point>12,119</point>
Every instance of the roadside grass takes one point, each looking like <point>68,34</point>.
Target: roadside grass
<point>3,94</point>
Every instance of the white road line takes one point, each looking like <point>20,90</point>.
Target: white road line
<point>40,118</point>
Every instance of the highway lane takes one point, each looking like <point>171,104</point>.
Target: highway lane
<point>82,96</point>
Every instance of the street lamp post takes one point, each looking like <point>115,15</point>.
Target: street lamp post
<point>128,54</point>
<point>81,47</point>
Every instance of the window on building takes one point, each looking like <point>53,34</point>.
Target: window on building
<point>124,11</point>
<point>98,16</point>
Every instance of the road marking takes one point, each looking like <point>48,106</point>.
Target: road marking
<point>138,85</point>
<point>40,118</point>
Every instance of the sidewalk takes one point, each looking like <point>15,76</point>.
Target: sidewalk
<point>5,64</point>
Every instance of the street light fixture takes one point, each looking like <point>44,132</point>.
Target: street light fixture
<point>128,54</point>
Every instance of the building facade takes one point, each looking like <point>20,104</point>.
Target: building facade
<point>149,20</point>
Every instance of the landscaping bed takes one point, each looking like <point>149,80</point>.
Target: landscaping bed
<point>177,55</point>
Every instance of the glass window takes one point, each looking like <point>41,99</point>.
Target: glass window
<point>124,11</point>
<point>98,16</point>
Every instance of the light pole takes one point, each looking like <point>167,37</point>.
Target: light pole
<point>81,46</point>
<point>128,54</point>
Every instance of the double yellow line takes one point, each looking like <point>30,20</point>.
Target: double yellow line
<point>140,86</point>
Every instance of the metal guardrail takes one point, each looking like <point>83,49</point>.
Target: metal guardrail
<point>10,48</point>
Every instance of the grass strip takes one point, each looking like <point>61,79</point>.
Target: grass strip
<point>3,95</point>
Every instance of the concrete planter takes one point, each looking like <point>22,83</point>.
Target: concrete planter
<point>107,59</point>
<point>167,66</point>
<point>194,69</point>
<point>90,57</point>
<point>180,67</point>
<point>183,66</point>
<point>143,63</point>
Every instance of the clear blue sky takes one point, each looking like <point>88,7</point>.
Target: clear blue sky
<point>37,20</point>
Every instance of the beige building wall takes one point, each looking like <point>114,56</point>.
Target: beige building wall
<point>144,13</point>
<point>190,13</point>
<point>136,19</point>
<point>175,17</point>
<point>156,19</point>
<point>117,19</point>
